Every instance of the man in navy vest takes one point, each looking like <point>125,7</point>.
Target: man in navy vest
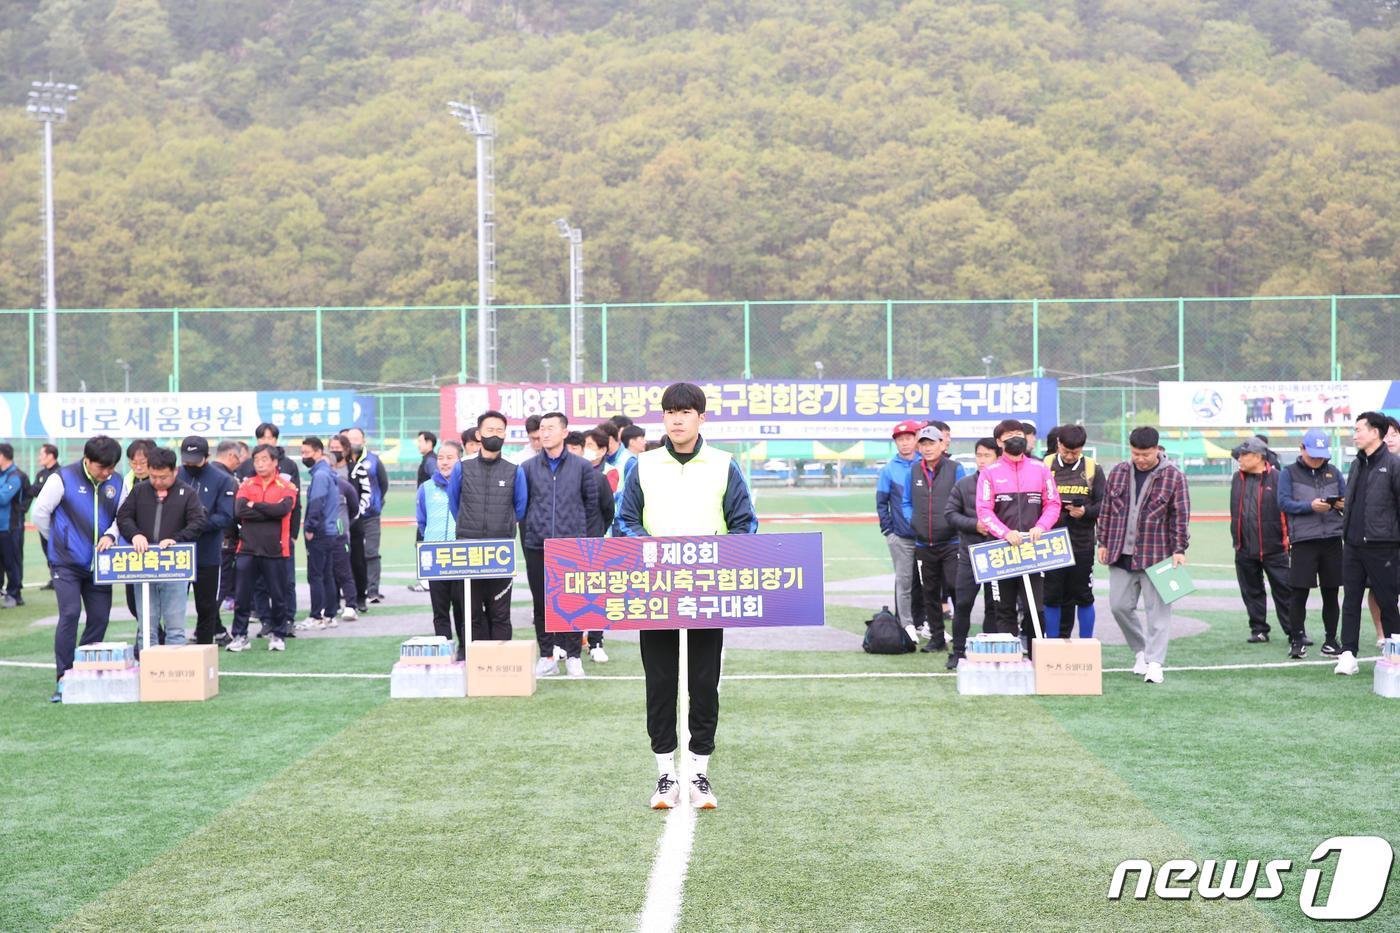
<point>77,513</point>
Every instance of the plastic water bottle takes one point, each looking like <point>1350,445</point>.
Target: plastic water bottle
<point>1386,681</point>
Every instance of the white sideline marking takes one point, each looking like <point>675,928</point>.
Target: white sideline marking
<point>666,886</point>
<point>858,675</point>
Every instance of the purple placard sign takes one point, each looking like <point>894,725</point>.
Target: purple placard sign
<point>719,581</point>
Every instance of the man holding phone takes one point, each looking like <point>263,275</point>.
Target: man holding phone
<point>1311,491</point>
<point>1071,589</point>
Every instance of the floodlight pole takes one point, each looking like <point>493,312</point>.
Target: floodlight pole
<point>481,126</point>
<point>48,103</point>
<point>575,237</point>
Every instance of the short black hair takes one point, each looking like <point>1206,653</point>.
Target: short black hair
<point>1029,427</point>
<point>630,432</point>
<point>429,436</point>
<point>680,396</point>
<point>609,429</point>
<point>1144,438</point>
<point>492,413</point>
<point>7,451</point>
<point>599,436</point>
<point>160,458</point>
<point>1052,438</point>
<point>103,451</point>
<point>1010,424</point>
<point>264,449</point>
<point>532,423</point>
<point>314,443</point>
<point>267,427</point>
<point>942,426</point>
<point>1265,437</point>
<point>471,436</point>
<point>622,421</point>
<point>1376,420</point>
<point>573,438</point>
<point>1072,436</point>
<point>50,449</point>
<point>139,447</point>
<point>988,443</point>
<point>563,418</point>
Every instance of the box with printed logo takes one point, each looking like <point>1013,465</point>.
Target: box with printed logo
<point>1068,666</point>
<point>179,673</point>
<point>501,668</point>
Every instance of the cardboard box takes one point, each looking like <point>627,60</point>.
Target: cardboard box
<point>501,668</point>
<point>1068,666</point>
<point>184,672</point>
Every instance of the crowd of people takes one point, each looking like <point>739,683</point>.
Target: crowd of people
<point>1301,526</point>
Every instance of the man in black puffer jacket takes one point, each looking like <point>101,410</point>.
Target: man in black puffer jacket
<point>1370,535</point>
<point>562,503</point>
<point>1259,532</point>
<point>962,515</point>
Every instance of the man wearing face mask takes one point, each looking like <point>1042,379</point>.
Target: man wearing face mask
<point>488,495</point>
<point>216,490</point>
<point>349,509</point>
<point>1017,499</point>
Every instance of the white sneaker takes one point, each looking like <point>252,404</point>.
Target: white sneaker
<point>238,644</point>
<point>574,666</point>
<point>546,667</point>
<point>598,655</point>
<point>307,623</point>
<point>330,622</point>
<point>560,654</point>
<point>276,644</point>
<point>925,631</point>
<point>668,793</point>
<point>420,587</point>
<point>1346,664</point>
<point>912,632</point>
<point>348,614</point>
<point>1140,665</point>
<point>1153,674</point>
<point>701,796</point>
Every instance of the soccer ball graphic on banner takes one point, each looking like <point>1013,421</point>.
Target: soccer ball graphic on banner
<point>1206,404</point>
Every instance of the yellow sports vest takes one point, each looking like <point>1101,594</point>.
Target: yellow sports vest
<point>683,498</point>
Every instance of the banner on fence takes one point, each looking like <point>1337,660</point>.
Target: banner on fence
<point>720,581</point>
<point>1297,405</point>
<point>771,409</point>
<point>178,414</point>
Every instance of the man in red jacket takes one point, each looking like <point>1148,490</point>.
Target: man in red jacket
<point>264,511</point>
<point>1017,498</point>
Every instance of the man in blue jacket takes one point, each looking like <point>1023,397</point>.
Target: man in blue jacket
<point>321,525</point>
<point>562,503</point>
<point>216,489</point>
<point>369,521</point>
<point>77,512</point>
<point>899,534</point>
<point>12,489</point>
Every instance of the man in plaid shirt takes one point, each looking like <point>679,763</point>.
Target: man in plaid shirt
<point>1145,519</point>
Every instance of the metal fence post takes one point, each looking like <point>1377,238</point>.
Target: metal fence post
<point>748,349</point>
<point>889,339</point>
<point>1035,337</point>
<point>1180,339</point>
<point>175,349</point>
<point>31,351</point>
<point>320,370</point>
<point>603,339</point>
<point>1336,372</point>
<point>462,343</point>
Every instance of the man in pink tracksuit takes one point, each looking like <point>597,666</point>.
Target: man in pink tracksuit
<point>1017,498</point>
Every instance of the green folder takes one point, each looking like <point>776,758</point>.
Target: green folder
<point>1172,583</point>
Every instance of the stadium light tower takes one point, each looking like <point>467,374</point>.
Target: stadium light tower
<point>481,126</point>
<point>575,237</point>
<point>48,103</point>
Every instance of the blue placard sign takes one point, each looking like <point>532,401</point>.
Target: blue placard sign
<point>173,564</point>
<point>997,560</point>
<point>466,560</point>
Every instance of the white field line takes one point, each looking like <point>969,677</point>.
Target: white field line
<point>856,675</point>
<point>666,886</point>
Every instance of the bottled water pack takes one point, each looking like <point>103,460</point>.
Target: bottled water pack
<point>1387,682</point>
<point>123,686</point>
<point>1002,678</point>
<point>421,681</point>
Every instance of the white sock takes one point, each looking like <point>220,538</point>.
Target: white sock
<point>699,764</point>
<point>665,764</point>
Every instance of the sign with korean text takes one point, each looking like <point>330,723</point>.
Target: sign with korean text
<point>178,414</point>
<point>720,581</point>
<point>172,564</point>
<point>998,560</point>
<point>771,409</point>
<point>466,560</point>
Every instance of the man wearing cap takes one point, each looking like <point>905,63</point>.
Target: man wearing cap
<point>925,503</point>
<point>216,488</point>
<point>1259,533</point>
<point>898,532</point>
<point>1311,492</point>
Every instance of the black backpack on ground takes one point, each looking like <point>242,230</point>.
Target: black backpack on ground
<point>884,635</point>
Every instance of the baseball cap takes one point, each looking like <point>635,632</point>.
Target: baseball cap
<point>930,433</point>
<point>1315,444</point>
<point>1253,446</point>
<point>906,427</point>
<point>193,449</point>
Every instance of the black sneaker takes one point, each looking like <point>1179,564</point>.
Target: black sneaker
<point>361,607</point>
<point>19,600</point>
<point>1331,648</point>
<point>935,647</point>
<point>57,695</point>
<point>376,599</point>
<point>47,586</point>
<point>1257,638</point>
<point>222,639</point>
<point>953,658</point>
<point>1297,650</point>
<point>1307,642</point>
